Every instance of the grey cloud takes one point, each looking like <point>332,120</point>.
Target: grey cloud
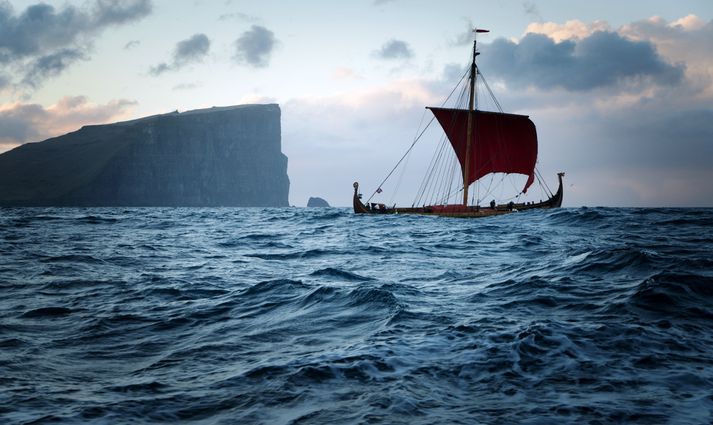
<point>600,60</point>
<point>42,32</point>
<point>465,37</point>
<point>254,47</point>
<point>663,138</point>
<point>453,72</point>
<point>37,30</point>
<point>662,154</point>
<point>394,49</point>
<point>238,16</point>
<point>531,10</point>
<point>117,12</point>
<point>51,65</point>
<point>19,123</point>
<point>190,50</point>
<point>159,69</point>
<point>131,44</point>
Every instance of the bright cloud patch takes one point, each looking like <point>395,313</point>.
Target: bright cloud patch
<point>20,123</point>
<point>574,29</point>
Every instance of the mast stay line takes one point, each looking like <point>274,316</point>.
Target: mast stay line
<point>402,158</point>
<point>414,141</point>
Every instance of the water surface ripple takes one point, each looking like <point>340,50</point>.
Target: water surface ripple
<point>317,316</point>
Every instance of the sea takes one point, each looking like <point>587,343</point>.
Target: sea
<point>321,316</point>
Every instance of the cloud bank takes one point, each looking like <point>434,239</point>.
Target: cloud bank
<point>20,123</point>
<point>598,60</point>
<point>628,111</point>
<point>42,41</point>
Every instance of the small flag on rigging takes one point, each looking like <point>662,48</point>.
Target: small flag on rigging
<point>379,190</point>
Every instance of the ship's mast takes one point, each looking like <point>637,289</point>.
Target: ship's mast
<point>471,108</point>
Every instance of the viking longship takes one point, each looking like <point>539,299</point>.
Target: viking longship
<point>484,143</point>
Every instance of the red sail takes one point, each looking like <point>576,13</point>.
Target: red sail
<point>501,143</point>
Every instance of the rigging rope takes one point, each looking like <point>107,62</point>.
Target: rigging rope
<point>492,95</point>
<point>402,158</point>
<point>415,140</point>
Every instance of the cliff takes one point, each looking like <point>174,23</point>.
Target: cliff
<point>229,156</point>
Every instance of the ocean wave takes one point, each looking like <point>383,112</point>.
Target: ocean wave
<point>686,296</point>
<point>372,297</point>
<point>72,258</point>
<point>310,253</point>
<point>47,312</point>
<point>223,315</point>
<point>616,259</point>
<point>331,272</point>
<point>272,286</point>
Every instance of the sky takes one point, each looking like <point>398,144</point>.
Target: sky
<point>621,92</point>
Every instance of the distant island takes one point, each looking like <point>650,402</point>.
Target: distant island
<point>220,156</point>
<point>317,202</point>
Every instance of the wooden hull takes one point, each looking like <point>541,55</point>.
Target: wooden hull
<point>458,210</point>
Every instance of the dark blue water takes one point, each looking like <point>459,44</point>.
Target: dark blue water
<point>318,316</point>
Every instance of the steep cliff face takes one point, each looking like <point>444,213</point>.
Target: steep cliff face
<point>228,156</point>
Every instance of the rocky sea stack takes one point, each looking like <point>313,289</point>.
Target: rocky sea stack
<point>317,202</point>
<point>227,156</point>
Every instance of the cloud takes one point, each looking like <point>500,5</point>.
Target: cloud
<point>394,49</point>
<point>20,123</point>
<point>453,72</point>
<point>4,81</point>
<point>573,29</point>
<point>642,144</point>
<point>686,40</point>
<point>662,138</point>
<point>602,59</point>
<point>51,65</point>
<point>42,41</point>
<point>254,47</point>
<point>159,69</point>
<point>131,44</point>
<point>531,10</point>
<point>239,17</point>
<point>188,51</point>
<point>187,86</point>
<point>192,49</point>
<point>117,12</point>
<point>465,37</point>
